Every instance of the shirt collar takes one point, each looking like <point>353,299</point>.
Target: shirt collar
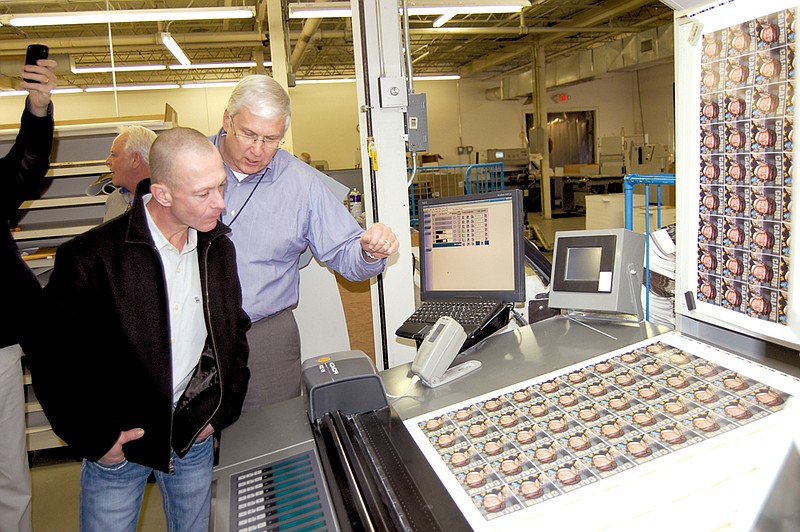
<point>160,240</point>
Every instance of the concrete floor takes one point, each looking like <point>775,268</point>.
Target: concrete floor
<point>56,479</point>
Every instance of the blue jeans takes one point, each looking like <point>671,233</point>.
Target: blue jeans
<point>111,496</point>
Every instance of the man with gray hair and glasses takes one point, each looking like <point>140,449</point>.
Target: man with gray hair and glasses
<point>276,207</point>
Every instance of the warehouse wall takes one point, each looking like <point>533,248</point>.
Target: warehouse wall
<point>459,114</point>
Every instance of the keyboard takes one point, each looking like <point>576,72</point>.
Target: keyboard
<point>479,318</point>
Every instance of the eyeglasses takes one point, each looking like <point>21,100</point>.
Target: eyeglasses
<point>251,140</point>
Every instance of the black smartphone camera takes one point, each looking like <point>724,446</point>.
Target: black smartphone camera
<point>34,53</point>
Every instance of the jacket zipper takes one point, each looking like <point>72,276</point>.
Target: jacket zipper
<point>213,347</point>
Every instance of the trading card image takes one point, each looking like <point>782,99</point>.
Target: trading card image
<point>497,502</point>
<point>571,475</point>
<point>606,461</point>
<point>645,417</point>
<point>765,236</point>
<point>764,270</point>
<point>596,387</point>
<point>436,424</point>
<point>493,405</point>
<point>788,165</point>
<point>649,366</point>
<point>709,423</point>
<point>714,47</point>
<point>770,66</point>
<point>675,435</point>
<point>602,368</point>
<point>740,411</point>
<point>540,408</point>
<point>736,200</point>
<point>626,378</point>
<point>591,414</point>
<point>740,71</point>
<point>741,39</point>
<point>703,369</point>
<point>546,453</point>
<point>733,294</point>
<point>522,396</point>
<point>708,259</point>
<point>568,398</point>
<point>734,232</point>
<point>676,406</point>
<point>735,138</point>
<point>764,169</point>
<point>790,67</point>
<point>712,77</point>
<point>764,135</point>
<point>770,31</point>
<point>708,289</point>
<point>506,420</point>
<point>580,441</point>
<point>641,448</point>
<point>671,355</point>
<point>711,169</point>
<point>710,105</point>
<point>525,434</point>
<point>619,402</point>
<point>549,388</point>
<point>708,395</point>
<point>769,100</point>
<point>650,391</point>
<point>557,423</point>
<point>535,488</point>
<point>733,263</point>
<point>481,430</point>
<point>736,104</point>
<point>767,397</point>
<point>762,302</point>
<point>463,415</point>
<point>576,377</point>
<point>709,229</point>
<point>512,465</point>
<point>734,382</point>
<point>478,478</point>
<point>737,171</point>
<point>464,456</point>
<point>711,136</point>
<point>443,441</point>
<point>615,429</point>
<point>676,380</point>
<point>490,447</point>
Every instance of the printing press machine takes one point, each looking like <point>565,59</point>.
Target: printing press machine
<point>364,471</point>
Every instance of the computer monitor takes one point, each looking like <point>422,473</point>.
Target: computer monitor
<point>472,246</point>
<point>597,271</point>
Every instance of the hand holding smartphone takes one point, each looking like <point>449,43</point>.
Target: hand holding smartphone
<point>34,53</point>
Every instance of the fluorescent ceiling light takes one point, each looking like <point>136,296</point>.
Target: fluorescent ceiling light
<point>122,68</point>
<point>338,9</point>
<point>323,81</point>
<point>211,66</point>
<point>175,48</point>
<point>126,15</point>
<point>444,19</point>
<point>65,90</point>
<point>209,84</point>
<point>444,77</point>
<point>122,88</point>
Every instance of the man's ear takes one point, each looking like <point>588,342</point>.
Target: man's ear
<point>226,121</point>
<point>161,194</point>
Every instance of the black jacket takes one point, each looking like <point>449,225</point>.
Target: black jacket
<point>22,176</point>
<point>109,369</point>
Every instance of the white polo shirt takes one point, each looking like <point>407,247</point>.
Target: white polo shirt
<point>185,298</point>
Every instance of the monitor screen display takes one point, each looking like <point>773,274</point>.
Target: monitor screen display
<point>472,246</point>
<point>592,268</point>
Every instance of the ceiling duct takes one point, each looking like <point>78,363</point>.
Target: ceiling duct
<point>642,50</point>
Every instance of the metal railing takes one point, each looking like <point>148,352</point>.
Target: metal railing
<point>657,180</point>
<point>453,180</point>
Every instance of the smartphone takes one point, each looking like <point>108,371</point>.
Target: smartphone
<point>34,53</point>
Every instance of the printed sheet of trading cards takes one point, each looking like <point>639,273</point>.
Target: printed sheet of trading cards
<point>544,440</point>
<point>747,131</point>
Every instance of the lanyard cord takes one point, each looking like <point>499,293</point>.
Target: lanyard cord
<point>248,198</point>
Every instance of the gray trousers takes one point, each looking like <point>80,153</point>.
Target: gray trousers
<point>15,477</point>
<point>274,361</point>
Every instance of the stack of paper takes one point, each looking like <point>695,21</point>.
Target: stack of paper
<point>661,296</point>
